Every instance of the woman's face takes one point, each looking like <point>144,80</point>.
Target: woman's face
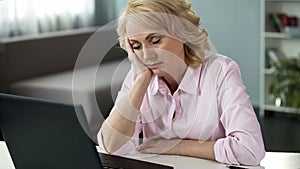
<point>159,52</point>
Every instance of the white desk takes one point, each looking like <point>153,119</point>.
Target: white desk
<point>5,160</point>
<point>272,160</point>
<point>181,162</point>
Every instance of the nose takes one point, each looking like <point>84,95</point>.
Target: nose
<point>149,54</point>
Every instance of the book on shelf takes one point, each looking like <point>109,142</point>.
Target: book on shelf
<point>281,21</point>
<point>276,22</point>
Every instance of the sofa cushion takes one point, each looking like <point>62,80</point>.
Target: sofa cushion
<point>94,87</point>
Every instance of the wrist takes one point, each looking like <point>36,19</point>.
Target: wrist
<point>144,77</point>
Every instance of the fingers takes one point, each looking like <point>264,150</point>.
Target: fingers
<point>160,146</point>
<point>145,145</point>
<point>148,147</point>
<point>154,147</point>
<point>139,67</point>
<point>151,150</point>
<point>132,56</point>
<point>128,47</point>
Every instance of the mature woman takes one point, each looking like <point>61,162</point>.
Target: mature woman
<point>184,98</point>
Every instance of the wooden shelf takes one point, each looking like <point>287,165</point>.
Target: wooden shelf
<point>277,35</point>
<point>281,109</point>
<point>269,71</point>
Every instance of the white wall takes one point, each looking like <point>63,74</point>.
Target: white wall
<point>120,4</point>
<point>234,27</point>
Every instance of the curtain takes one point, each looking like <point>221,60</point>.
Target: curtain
<point>21,17</point>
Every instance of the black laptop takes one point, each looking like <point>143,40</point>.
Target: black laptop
<point>42,134</point>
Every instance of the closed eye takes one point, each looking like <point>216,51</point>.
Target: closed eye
<point>136,46</point>
<point>155,40</point>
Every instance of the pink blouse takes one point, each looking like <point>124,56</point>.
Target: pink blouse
<point>211,103</point>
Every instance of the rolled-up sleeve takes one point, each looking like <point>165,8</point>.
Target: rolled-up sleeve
<point>243,143</point>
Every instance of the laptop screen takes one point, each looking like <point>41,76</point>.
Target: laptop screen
<point>42,134</point>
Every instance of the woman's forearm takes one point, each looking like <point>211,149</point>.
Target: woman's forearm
<point>119,127</point>
<point>192,148</point>
<point>195,148</point>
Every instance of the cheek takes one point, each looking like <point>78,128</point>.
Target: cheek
<point>139,54</point>
<point>176,49</point>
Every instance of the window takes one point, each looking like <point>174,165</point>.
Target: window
<point>19,17</point>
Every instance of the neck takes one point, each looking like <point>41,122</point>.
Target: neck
<point>171,83</point>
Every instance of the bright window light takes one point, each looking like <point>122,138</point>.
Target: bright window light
<point>20,17</point>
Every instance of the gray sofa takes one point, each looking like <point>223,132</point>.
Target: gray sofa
<point>83,67</point>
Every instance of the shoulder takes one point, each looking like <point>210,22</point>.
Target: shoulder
<point>218,68</point>
<point>219,64</point>
<point>219,60</point>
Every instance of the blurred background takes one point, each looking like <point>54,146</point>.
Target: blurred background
<point>41,40</point>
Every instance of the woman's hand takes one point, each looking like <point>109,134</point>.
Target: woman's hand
<point>139,68</point>
<point>160,146</point>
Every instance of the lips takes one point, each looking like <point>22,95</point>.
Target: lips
<point>154,65</point>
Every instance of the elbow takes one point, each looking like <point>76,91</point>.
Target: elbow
<point>117,150</point>
<point>252,161</point>
<point>106,144</point>
<point>110,149</point>
<point>257,157</point>
<point>115,143</point>
<point>261,156</point>
<point>234,153</point>
<point>115,146</point>
<point>250,157</point>
<point>110,140</point>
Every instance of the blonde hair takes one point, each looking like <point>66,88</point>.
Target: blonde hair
<point>167,13</point>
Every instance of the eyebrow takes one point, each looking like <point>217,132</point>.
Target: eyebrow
<point>147,38</point>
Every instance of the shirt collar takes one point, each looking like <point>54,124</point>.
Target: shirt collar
<point>154,85</point>
<point>190,81</point>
